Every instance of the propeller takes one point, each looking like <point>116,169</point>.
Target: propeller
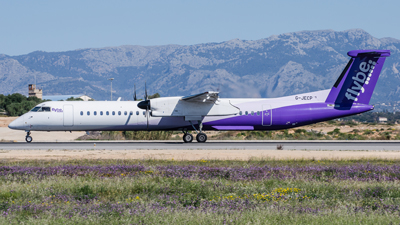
<point>145,105</point>
<point>148,105</point>
<point>134,95</point>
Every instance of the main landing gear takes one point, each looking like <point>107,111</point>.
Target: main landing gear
<point>28,138</point>
<point>200,137</point>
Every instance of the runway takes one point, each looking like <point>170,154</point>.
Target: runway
<point>211,145</point>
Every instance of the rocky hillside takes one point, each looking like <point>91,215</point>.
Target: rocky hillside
<point>275,66</point>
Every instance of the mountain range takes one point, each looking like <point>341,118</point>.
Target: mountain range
<point>279,65</point>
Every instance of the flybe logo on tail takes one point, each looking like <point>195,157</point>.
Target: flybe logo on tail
<point>361,78</point>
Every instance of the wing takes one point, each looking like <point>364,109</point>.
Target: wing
<point>209,96</point>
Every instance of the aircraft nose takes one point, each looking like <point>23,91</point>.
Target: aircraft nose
<point>17,124</point>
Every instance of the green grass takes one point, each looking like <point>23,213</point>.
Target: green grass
<point>110,199</point>
<point>230,163</point>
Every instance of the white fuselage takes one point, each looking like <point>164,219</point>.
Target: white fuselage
<point>125,115</point>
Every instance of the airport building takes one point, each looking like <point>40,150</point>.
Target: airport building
<point>382,120</point>
<point>65,97</point>
<point>36,92</point>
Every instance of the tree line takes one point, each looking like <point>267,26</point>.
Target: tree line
<point>373,117</point>
<point>17,104</point>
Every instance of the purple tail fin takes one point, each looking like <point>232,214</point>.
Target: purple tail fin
<point>357,81</point>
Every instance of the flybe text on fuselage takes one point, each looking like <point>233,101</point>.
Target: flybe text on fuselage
<point>57,110</point>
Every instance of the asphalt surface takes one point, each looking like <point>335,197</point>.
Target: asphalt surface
<point>215,145</point>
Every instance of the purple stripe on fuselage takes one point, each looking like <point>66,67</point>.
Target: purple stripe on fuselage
<point>233,127</point>
<point>292,116</point>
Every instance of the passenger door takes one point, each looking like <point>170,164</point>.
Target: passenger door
<point>266,115</point>
<point>68,115</point>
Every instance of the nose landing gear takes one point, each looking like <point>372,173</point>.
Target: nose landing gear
<point>28,138</point>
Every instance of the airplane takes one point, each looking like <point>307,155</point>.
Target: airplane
<point>350,95</point>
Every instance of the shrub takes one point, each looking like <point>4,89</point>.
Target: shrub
<point>147,135</point>
<point>368,132</point>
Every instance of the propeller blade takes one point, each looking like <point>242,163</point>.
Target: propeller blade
<point>145,91</point>
<point>147,116</point>
<point>134,96</point>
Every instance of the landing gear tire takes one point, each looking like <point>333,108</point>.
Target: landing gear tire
<point>187,138</point>
<point>201,137</point>
<point>28,139</point>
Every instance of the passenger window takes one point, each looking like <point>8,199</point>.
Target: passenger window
<point>107,113</point>
<point>46,109</point>
<point>101,113</point>
<point>113,113</point>
<point>125,113</point>
<point>81,113</point>
<point>252,113</point>
<point>240,113</point>
<point>131,113</point>
<point>95,113</point>
<point>144,113</point>
<point>258,113</point>
<point>88,113</point>
<point>119,113</point>
<point>137,112</point>
<point>246,113</point>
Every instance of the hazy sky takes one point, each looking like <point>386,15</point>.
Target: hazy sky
<point>27,26</point>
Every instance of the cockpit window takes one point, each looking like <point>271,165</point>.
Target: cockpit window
<point>36,109</point>
<point>41,109</point>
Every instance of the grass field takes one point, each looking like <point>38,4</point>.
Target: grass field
<point>200,192</point>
